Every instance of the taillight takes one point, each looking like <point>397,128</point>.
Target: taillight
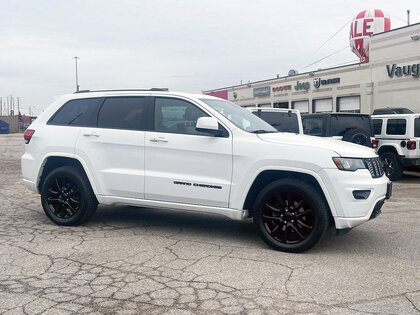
<point>375,143</point>
<point>411,145</point>
<point>28,135</point>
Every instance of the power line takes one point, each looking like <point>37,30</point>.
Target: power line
<point>336,52</point>
<point>323,44</point>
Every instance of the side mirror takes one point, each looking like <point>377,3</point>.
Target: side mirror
<point>209,125</point>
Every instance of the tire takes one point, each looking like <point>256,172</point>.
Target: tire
<point>392,166</point>
<point>357,137</point>
<point>291,229</point>
<point>67,197</point>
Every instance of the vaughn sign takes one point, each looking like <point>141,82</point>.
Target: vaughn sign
<point>409,70</point>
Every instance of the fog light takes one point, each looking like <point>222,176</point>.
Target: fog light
<point>361,194</point>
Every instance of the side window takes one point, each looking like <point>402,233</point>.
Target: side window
<point>80,112</point>
<point>122,113</point>
<point>396,127</point>
<point>177,116</point>
<point>417,127</point>
<point>377,126</point>
<point>312,126</point>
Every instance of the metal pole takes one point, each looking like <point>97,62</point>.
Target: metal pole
<point>408,17</point>
<point>77,77</point>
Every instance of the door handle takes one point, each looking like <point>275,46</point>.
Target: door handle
<point>160,139</point>
<point>91,134</point>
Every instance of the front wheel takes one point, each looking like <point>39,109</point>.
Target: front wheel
<point>67,197</point>
<point>290,215</point>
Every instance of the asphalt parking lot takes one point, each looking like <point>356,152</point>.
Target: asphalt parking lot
<point>135,260</point>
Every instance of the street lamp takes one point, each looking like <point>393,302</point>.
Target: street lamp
<point>77,78</point>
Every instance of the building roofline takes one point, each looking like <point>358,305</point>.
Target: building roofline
<point>283,77</point>
<point>395,29</point>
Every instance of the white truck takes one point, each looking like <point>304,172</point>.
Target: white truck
<point>161,149</point>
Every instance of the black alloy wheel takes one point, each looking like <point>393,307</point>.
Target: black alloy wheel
<point>67,197</point>
<point>291,215</point>
<point>288,217</point>
<point>63,197</point>
<point>392,166</point>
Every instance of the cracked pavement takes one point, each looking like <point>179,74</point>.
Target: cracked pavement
<point>129,260</point>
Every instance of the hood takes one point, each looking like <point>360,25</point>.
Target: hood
<point>342,148</point>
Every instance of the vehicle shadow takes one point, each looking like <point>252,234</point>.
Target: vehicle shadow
<point>208,228</point>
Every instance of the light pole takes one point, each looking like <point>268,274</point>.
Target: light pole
<point>77,78</point>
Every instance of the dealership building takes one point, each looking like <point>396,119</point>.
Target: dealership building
<point>391,78</point>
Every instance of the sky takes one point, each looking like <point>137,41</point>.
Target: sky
<point>185,45</point>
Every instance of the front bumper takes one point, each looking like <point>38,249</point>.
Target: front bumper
<point>349,211</point>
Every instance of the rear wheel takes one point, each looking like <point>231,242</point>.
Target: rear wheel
<point>290,215</point>
<point>392,166</point>
<point>67,197</point>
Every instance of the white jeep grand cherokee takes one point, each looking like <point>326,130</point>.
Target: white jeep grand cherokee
<point>161,149</point>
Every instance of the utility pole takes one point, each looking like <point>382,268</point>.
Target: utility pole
<point>77,77</point>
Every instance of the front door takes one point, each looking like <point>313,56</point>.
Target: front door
<point>181,164</point>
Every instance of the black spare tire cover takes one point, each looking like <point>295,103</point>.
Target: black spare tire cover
<point>356,136</point>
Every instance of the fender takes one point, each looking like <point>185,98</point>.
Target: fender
<point>393,145</point>
<point>71,156</point>
<point>295,170</point>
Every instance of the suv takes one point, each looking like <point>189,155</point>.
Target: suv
<point>284,120</point>
<point>161,149</point>
<point>355,128</point>
<point>398,138</point>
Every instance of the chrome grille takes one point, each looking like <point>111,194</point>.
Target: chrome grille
<point>375,167</point>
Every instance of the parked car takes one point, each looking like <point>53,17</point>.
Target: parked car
<point>350,127</point>
<point>161,149</point>
<point>284,120</point>
<point>398,138</point>
<point>392,110</point>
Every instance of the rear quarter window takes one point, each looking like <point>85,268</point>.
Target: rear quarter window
<point>396,127</point>
<point>417,127</point>
<point>377,126</point>
<point>80,112</point>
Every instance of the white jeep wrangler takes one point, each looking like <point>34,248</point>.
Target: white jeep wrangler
<point>161,149</point>
<point>398,142</point>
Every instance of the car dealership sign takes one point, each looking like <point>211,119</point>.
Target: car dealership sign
<point>318,82</point>
<point>282,88</point>
<point>261,91</point>
<point>394,70</point>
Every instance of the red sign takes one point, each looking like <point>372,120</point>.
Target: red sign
<point>282,88</point>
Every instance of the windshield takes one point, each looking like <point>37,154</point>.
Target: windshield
<point>240,117</point>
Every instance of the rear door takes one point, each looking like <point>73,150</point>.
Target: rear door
<point>114,149</point>
<point>184,165</point>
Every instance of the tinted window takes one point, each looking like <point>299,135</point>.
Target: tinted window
<point>177,116</point>
<point>417,127</point>
<point>341,124</point>
<point>81,112</point>
<point>285,122</point>
<point>122,113</point>
<point>377,126</point>
<point>312,126</point>
<point>396,127</point>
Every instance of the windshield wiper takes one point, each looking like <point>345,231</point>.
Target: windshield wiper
<point>263,131</point>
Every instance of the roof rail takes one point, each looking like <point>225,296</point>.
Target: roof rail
<point>123,90</point>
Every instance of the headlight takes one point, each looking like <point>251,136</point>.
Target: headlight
<point>349,164</point>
